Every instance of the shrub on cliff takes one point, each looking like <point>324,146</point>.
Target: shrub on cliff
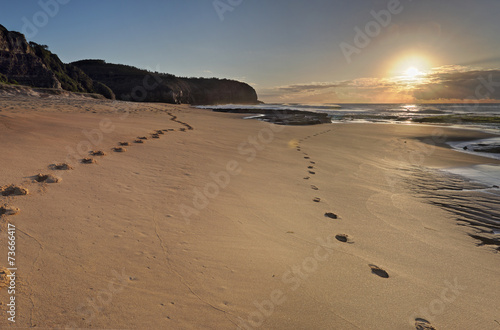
<point>72,78</point>
<point>104,90</point>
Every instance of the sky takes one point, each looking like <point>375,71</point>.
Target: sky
<point>290,51</point>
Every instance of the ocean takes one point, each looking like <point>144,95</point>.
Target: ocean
<point>387,113</point>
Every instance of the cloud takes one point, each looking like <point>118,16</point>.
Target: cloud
<point>451,82</point>
<point>306,88</point>
<point>357,90</point>
<point>459,84</point>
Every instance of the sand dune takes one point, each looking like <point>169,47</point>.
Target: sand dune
<point>217,222</point>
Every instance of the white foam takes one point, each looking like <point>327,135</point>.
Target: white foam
<point>486,174</point>
<point>459,146</point>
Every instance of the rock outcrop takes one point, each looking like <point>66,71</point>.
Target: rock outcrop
<point>71,77</point>
<point>133,84</point>
<point>19,63</point>
<point>33,65</point>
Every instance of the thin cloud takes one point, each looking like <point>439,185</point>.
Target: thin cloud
<point>460,85</point>
<point>450,82</point>
<point>306,88</point>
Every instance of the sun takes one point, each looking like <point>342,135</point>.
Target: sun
<point>412,72</point>
<point>409,65</point>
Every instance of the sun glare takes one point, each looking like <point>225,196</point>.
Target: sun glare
<point>412,72</point>
<point>409,66</point>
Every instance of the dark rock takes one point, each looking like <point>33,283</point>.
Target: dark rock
<point>284,116</point>
<point>34,65</point>
<point>19,63</point>
<point>493,149</point>
<point>124,80</point>
<point>331,215</point>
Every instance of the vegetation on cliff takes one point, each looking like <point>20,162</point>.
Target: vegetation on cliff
<point>71,77</point>
<point>33,65</point>
<point>131,83</point>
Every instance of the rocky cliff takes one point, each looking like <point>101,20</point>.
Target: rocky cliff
<point>71,77</point>
<point>130,83</point>
<point>34,65</point>
<point>18,62</point>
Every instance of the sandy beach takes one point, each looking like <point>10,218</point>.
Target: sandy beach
<point>215,222</point>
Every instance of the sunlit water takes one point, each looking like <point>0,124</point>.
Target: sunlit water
<point>380,112</point>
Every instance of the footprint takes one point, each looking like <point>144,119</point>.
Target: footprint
<point>312,162</point>
<point>142,138</point>
<point>307,178</point>
<point>379,271</point>
<point>60,167</point>
<point>13,190</point>
<point>97,153</point>
<point>120,149</point>
<point>331,215</point>
<point>423,324</point>
<point>317,200</point>
<point>160,132</point>
<point>307,157</point>
<point>8,210</point>
<point>124,144</point>
<point>5,276</point>
<point>182,129</point>
<point>344,238</point>
<point>47,178</point>
<point>313,187</point>
<point>88,161</point>
<point>138,141</point>
<point>310,167</point>
<point>155,136</point>
<point>311,172</point>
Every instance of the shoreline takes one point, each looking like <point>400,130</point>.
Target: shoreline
<point>330,223</point>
